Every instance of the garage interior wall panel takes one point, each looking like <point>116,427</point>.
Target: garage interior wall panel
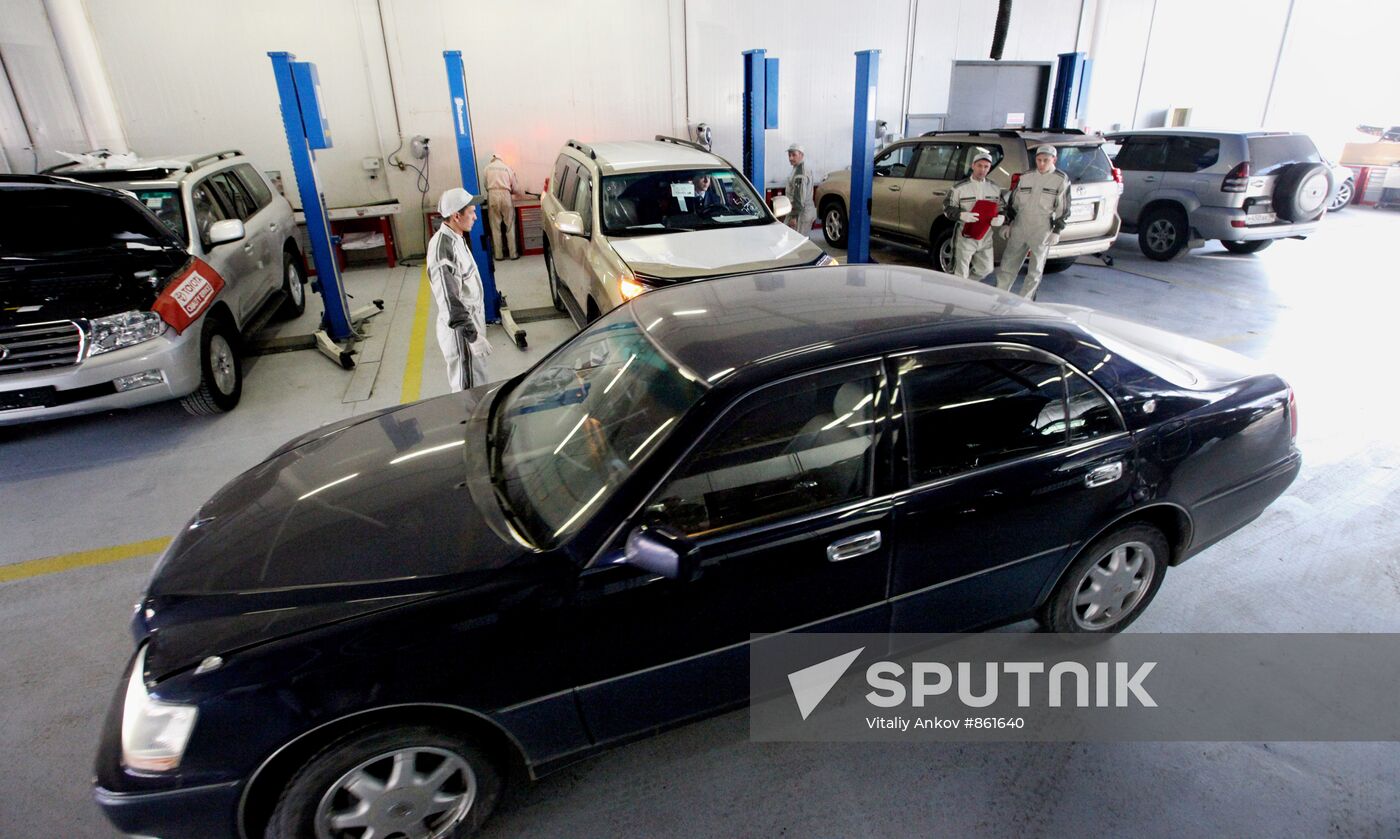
<point>39,89</point>
<point>1215,58</point>
<point>946,31</point>
<point>815,43</point>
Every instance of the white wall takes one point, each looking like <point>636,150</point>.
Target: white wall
<point>38,88</point>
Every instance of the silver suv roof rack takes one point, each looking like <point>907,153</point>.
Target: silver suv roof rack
<point>662,138</point>
<point>213,157</point>
<point>586,149</point>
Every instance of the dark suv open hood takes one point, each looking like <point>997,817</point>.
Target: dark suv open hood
<point>356,519</point>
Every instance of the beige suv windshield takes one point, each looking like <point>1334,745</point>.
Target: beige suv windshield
<point>646,203</point>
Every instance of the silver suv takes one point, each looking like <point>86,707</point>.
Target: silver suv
<point>912,176</point>
<point>106,294</point>
<point>1245,188</point>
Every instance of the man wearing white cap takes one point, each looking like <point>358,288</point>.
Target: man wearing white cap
<point>973,246</point>
<point>1039,209</point>
<point>799,192</point>
<point>502,187</point>
<point>457,291</point>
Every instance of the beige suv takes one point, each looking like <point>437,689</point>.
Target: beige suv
<point>622,218</point>
<point>913,176</point>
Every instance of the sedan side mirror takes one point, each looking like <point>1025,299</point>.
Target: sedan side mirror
<point>569,223</point>
<point>226,230</point>
<point>782,205</point>
<point>664,551</point>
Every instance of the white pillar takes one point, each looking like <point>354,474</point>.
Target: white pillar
<point>1096,32</point>
<point>97,106</point>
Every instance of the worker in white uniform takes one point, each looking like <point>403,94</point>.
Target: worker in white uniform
<point>1038,208</point>
<point>799,192</point>
<point>502,187</point>
<point>457,291</point>
<point>969,254</point>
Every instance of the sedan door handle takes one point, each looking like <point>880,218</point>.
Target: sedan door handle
<point>939,192</point>
<point>1105,474</point>
<point>893,188</point>
<point>272,227</point>
<point>853,546</point>
<point>1149,179</point>
<point>248,247</point>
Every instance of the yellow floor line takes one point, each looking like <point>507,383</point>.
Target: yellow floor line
<point>417,339</point>
<point>80,559</point>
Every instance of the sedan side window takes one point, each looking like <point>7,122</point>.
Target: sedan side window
<point>1089,414</point>
<point>894,163</point>
<point>783,451</point>
<point>256,186</point>
<point>963,415</point>
<point>235,196</point>
<point>583,202</point>
<point>962,163</point>
<point>1192,154</point>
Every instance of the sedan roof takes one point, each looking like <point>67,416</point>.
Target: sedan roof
<point>714,327</point>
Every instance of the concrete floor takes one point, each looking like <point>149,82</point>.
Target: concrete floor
<point>1324,558</point>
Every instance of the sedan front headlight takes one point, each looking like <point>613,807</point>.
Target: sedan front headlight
<point>154,733</point>
<point>116,331</point>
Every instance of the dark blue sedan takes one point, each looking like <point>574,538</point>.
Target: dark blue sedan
<point>373,630</point>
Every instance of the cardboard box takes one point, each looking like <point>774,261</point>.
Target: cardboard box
<point>1371,154</point>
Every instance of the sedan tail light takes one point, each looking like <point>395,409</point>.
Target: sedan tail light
<point>1117,175</point>
<point>1237,180</point>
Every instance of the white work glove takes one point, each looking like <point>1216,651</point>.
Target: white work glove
<point>998,221</point>
<point>1053,240</point>
<point>966,217</point>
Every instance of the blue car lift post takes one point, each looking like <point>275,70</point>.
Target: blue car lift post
<point>298,89</point>
<point>497,311</point>
<point>862,156</point>
<point>1070,100</point>
<point>760,111</point>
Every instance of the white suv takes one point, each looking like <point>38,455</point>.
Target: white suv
<point>622,218</point>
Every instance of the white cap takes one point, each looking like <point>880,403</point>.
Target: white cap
<point>1047,149</point>
<point>454,199</point>
<point>983,156</point>
<point>797,147</point>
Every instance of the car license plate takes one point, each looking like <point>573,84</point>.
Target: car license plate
<point>1083,211</point>
<point>1260,218</point>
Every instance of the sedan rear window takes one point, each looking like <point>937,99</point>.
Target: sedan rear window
<point>1267,154</point>
<point>1084,164</point>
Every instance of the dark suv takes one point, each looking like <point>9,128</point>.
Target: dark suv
<point>1246,188</point>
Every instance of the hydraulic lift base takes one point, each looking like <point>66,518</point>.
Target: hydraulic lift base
<point>343,353</point>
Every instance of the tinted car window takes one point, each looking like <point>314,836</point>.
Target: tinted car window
<point>583,202</point>
<point>256,186</point>
<point>962,164</point>
<point>1084,164</point>
<point>967,414</point>
<point>166,204</point>
<point>561,169</point>
<point>1143,154</point>
<point>784,450</point>
<point>1089,413</point>
<point>570,188</point>
<point>207,209</point>
<point>235,196</point>
<point>576,426</point>
<point>894,163</point>
<point>1192,154</point>
<point>1267,154</point>
<point>935,160</point>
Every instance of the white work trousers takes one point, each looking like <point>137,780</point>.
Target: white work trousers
<point>500,212</point>
<point>1031,240</point>
<point>464,368</point>
<point>972,258</point>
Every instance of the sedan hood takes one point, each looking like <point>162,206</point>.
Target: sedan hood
<point>352,520</point>
<point>703,253</point>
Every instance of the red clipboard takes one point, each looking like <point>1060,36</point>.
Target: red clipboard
<point>986,210</point>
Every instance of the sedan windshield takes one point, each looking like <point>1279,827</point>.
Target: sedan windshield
<point>645,203</point>
<point>573,430</point>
